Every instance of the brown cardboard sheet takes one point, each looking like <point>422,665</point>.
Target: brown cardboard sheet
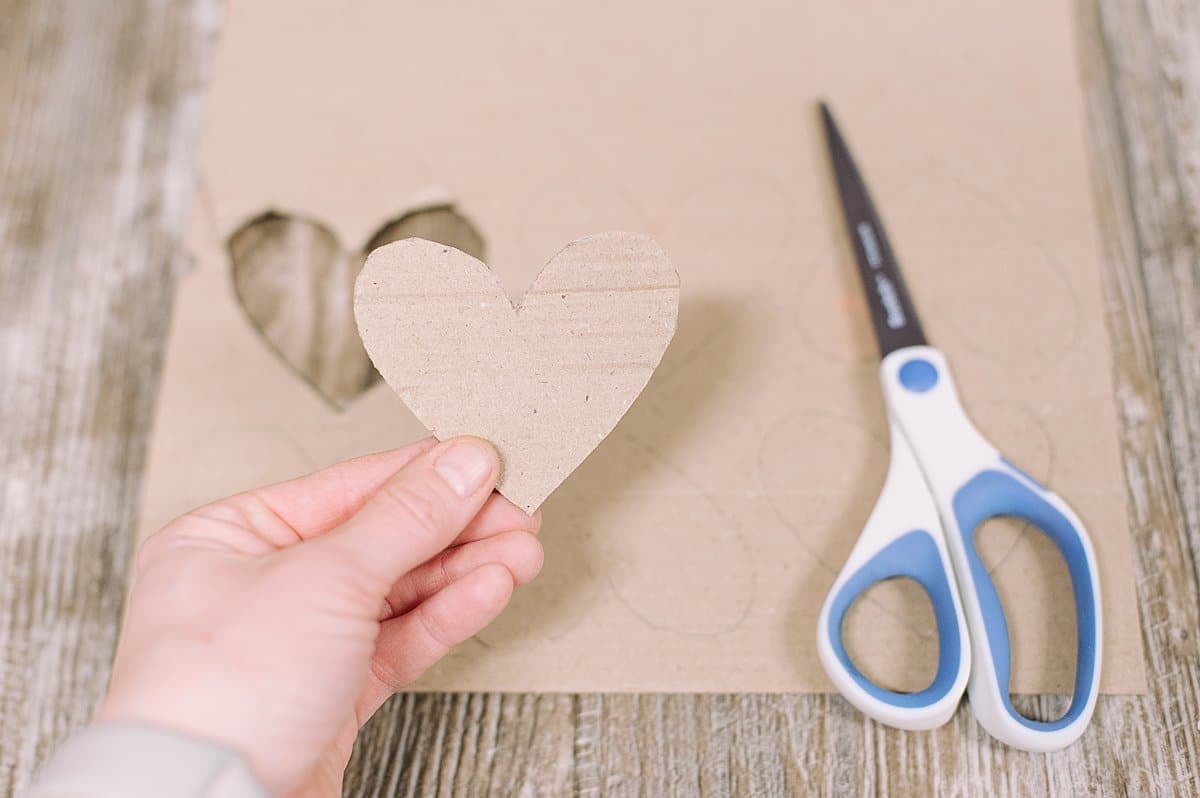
<point>691,551</point>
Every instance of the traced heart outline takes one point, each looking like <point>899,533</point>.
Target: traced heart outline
<point>293,281</point>
<point>545,379</point>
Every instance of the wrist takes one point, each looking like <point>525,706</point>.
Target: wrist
<point>157,690</point>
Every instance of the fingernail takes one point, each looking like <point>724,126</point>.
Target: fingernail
<point>465,466</point>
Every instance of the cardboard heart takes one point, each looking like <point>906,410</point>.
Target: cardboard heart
<point>295,282</point>
<point>545,380</point>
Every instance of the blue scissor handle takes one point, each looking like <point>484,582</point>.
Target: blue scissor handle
<point>1006,491</point>
<point>902,538</point>
<point>913,555</point>
<point>971,483</point>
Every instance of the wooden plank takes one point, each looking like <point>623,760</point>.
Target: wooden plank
<point>1145,107</point>
<point>101,114</point>
<point>89,231</point>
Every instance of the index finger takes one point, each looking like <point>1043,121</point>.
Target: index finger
<point>316,503</point>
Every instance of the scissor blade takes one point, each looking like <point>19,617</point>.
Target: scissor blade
<point>892,312</point>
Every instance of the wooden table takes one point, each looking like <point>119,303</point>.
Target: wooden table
<point>100,112</point>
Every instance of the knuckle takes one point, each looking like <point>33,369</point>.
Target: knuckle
<point>348,576</point>
<point>146,553</point>
<point>532,566</point>
<point>419,512</point>
<point>394,679</point>
<point>434,628</point>
<point>441,576</point>
<point>153,548</point>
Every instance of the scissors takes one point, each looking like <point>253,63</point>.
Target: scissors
<point>943,481</point>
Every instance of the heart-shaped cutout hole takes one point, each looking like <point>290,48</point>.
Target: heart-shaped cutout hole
<point>545,380</point>
<point>295,283</point>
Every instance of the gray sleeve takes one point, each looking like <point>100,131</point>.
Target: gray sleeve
<point>111,760</point>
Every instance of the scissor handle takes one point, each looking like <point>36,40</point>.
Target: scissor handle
<point>971,482</point>
<point>902,538</point>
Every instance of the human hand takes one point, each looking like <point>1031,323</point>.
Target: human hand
<point>275,622</point>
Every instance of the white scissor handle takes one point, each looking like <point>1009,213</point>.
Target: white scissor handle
<point>902,538</point>
<point>971,482</point>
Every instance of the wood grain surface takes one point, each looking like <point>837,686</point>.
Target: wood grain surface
<point>100,112</point>
<point>100,108</point>
<point>295,282</point>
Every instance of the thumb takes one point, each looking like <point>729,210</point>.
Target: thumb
<point>417,512</point>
